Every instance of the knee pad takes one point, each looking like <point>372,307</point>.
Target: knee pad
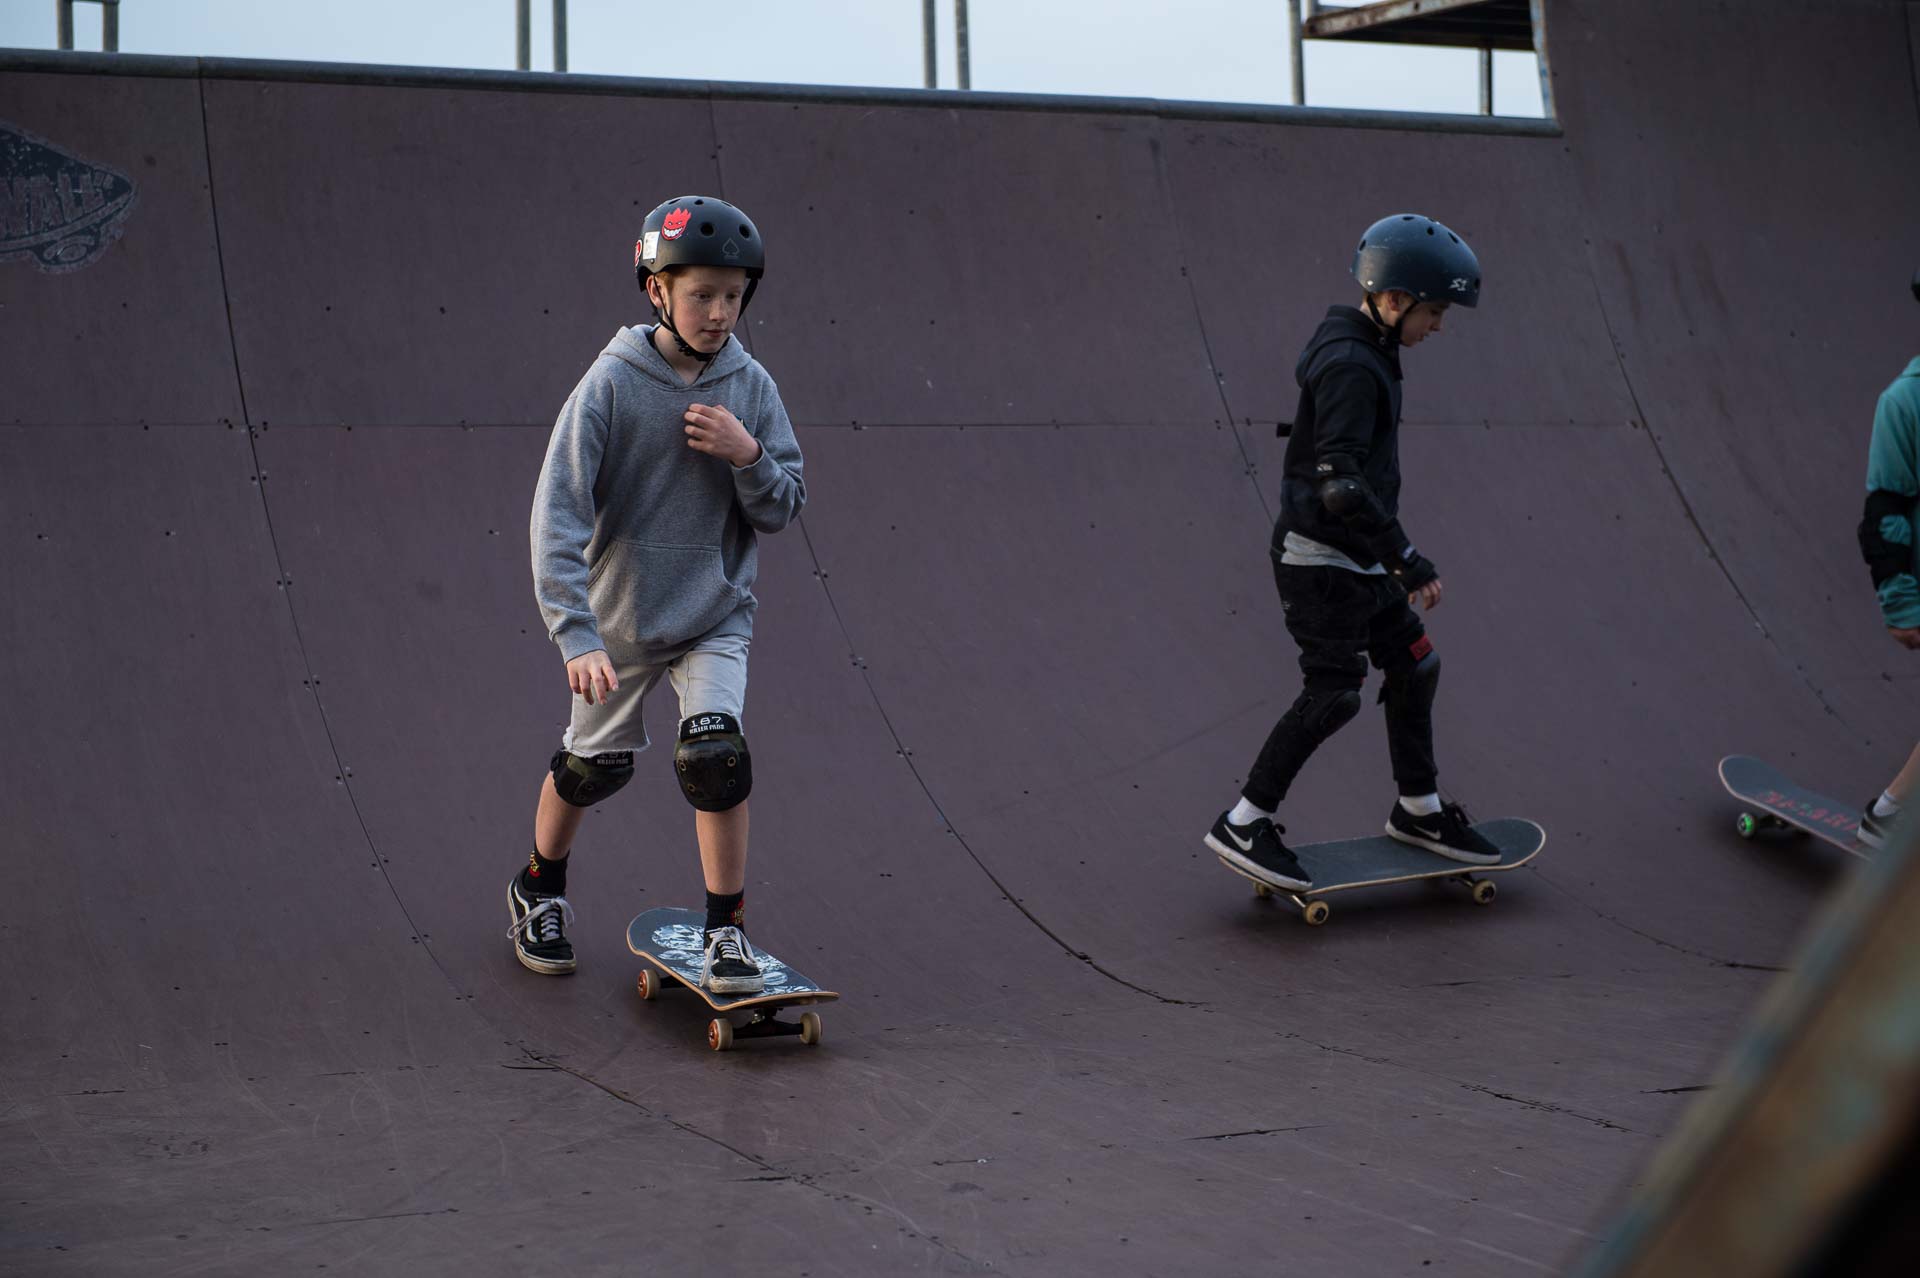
<point>716,772</point>
<point>1414,678</point>
<point>1322,713</point>
<point>583,782</point>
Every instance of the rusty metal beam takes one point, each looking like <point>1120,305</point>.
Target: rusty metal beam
<point>1479,24</point>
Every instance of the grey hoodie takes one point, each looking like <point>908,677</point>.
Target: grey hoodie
<point>636,536</point>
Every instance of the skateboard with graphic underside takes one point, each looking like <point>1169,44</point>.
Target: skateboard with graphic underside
<point>1784,805</point>
<point>1345,864</point>
<point>671,942</point>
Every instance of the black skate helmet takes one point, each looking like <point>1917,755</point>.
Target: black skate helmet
<point>1419,256</point>
<point>698,230</point>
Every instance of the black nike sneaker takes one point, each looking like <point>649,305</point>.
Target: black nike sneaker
<point>1876,830</point>
<point>1447,832</point>
<point>1256,850</point>
<point>540,929</point>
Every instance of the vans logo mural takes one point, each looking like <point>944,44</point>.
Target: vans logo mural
<point>55,207</point>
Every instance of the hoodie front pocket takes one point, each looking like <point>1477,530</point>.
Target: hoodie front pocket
<point>659,596</point>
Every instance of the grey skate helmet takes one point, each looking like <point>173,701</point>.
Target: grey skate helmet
<point>698,230</point>
<point>1419,256</point>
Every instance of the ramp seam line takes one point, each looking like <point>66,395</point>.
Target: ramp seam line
<point>1597,912</point>
<point>1156,142</point>
<point>280,567</point>
<point>907,758</point>
<point>220,260</point>
<point>1686,506</point>
<point>803,1179</point>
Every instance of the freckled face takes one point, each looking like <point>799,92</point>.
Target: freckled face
<point>704,302</point>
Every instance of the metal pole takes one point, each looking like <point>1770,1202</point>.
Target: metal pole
<point>1299,54</point>
<point>1486,82</point>
<point>559,35</point>
<point>960,40</point>
<point>110,25</point>
<point>523,34</point>
<point>929,41</point>
<point>63,23</point>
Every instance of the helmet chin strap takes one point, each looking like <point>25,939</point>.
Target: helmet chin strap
<point>1393,329</point>
<point>686,348</point>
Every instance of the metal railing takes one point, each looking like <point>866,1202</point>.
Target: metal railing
<point>109,23</point>
<point>523,35</point>
<point>1299,13</point>
<point>1302,12</point>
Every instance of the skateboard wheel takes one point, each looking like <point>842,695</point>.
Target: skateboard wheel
<point>810,1031</point>
<point>1484,892</point>
<point>1746,825</point>
<point>648,985</point>
<point>1262,891</point>
<point>719,1033</point>
<point>1316,913</point>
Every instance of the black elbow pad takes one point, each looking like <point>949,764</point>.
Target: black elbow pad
<point>1885,559</point>
<point>1344,496</point>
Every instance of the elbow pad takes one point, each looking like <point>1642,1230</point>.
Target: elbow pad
<point>1887,557</point>
<point>1345,496</point>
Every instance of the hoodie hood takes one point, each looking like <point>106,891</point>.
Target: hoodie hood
<point>635,346</point>
<point>1346,324</point>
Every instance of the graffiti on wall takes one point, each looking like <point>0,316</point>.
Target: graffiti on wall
<point>56,208</point>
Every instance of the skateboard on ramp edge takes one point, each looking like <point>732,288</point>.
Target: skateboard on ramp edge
<point>1376,860</point>
<point>1786,805</point>
<point>670,941</point>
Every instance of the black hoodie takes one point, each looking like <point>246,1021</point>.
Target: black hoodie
<point>1349,377</point>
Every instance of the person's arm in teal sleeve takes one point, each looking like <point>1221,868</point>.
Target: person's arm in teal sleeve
<point>1893,489</point>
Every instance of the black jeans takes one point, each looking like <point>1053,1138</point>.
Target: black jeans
<point>1341,620</point>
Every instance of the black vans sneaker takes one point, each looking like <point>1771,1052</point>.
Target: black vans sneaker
<point>1256,850</point>
<point>539,929</point>
<point>1876,830</point>
<point>1447,832</point>
<point>730,966</point>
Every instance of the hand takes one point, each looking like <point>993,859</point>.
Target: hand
<point>1906,638</point>
<point>1415,573</point>
<point>591,675</point>
<point>713,430</point>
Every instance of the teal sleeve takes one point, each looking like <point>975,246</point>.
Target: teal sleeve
<point>1891,467</point>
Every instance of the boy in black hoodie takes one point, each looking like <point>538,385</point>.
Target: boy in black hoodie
<point>1347,573</point>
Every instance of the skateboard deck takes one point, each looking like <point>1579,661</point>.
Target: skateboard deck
<point>1344,864</point>
<point>1783,805</point>
<point>671,943</point>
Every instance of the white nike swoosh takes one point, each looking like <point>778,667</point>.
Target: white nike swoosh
<point>1245,845</point>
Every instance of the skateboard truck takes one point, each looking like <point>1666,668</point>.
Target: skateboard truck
<point>1316,911</point>
<point>669,941</point>
<point>762,1022</point>
<point>1378,860</point>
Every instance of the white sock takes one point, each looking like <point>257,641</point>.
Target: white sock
<point>1885,806</point>
<point>1245,813</point>
<point>1421,804</point>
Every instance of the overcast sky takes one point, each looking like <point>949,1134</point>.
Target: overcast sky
<point>1210,50</point>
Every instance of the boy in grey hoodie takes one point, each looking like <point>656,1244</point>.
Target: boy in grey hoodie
<point>671,453</point>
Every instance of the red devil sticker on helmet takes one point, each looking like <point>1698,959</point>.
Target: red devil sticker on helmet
<point>676,224</point>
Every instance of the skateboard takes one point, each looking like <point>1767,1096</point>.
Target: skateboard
<point>1786,806</point>
<point>671,942</point>
<point>1344,864</point>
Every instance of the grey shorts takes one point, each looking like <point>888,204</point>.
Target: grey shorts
<point>710,677</point>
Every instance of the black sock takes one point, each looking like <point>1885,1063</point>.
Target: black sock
<point>544,877</point>
<point>726,909</point>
